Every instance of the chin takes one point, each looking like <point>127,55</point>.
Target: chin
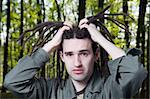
<point>79,79</point>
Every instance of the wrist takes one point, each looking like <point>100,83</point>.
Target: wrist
<point>48,47</point>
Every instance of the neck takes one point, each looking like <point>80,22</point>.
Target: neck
<point>79,85</point>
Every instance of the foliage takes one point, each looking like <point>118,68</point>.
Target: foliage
<point>69,11</point>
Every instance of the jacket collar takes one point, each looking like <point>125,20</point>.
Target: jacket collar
<point>69,89</point>
<point>95,85</point>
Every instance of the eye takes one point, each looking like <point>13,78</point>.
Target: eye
<point>84,54</point>
<point>69,54</point>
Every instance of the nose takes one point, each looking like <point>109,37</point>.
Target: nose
<point>77,61</point>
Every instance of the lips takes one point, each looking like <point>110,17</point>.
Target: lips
<point>77,71</point>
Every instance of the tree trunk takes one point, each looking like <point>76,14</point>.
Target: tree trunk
<point>148,62</point>
<point>39,20</point>
<point>0,14</point>
<point>58,11</point>
<point>58,68</point>
<point>125,10</point>
<point>148,58</point>
<point>101,4</point>
<point>141,37</point>
<point>141,26</point>
<point>43,6</point>
<point>81,9</point>
<point>1,1</point>
<point>0,28</point>
<point>21,29</point>
<point>5,65</point>
<point>104,54</point>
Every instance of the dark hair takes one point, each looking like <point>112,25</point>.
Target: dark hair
<point>47,30</point>
<point>52,28</point>
<point>78,33</point>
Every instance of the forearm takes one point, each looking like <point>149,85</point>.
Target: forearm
<point>18,78</point>
<point>96,36</point>
<point>110,48</point>
<point>128,72</point>
<point>49,47</point>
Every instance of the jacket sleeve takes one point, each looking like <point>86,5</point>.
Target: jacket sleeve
<point>21,81</point>
<point>128,72</point>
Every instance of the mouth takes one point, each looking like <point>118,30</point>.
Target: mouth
<point>78,71</point>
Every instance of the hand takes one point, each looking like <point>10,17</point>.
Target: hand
<point>95,34</point>
<point>55,42</point>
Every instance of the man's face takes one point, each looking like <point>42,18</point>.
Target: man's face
<point>79,58</point>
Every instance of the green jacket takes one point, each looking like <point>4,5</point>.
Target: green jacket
<point>126,77</point>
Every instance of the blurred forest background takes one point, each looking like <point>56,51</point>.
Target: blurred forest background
<point>16,16</point>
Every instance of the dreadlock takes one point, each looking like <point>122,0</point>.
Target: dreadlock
<point>53,27</point>
<point>78,33</point>
<point>47,31</point>
<point>43,38</point>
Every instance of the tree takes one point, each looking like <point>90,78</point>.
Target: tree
<point>148,55</point>
<point>43,7</point>
<point>26,14</point>
<point>81,9</point>
<point>21,28</point>
<point>0,13</point>
<point>141,36</point>
<point>39,20</point>
<point>141,25</point>
<point>125,10</point>
<point>148,60</point>
<point>5,64</point>
<point>1,1</point>
<point>104,54</point>
<point>58,11</point>
<point>101,4</point>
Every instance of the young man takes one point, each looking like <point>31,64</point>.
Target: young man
<point>79,55</point>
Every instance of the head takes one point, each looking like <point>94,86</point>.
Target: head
<point>79,53</point>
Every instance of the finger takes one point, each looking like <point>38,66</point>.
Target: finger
<point>59,34</point>
<point>61,30</point>
<point>92,25</point>
<point>68,23</point>
<point>66,28</point>
<point>83,21</point>
<point>84,26</point>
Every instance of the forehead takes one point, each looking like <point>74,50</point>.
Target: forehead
<point>75,45</point>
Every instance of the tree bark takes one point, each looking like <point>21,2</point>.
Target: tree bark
<point>141,26</point>
<point>81,9</point>
<point>39,20</point>
<point>21,28</point>
<point>125,10</point>
<point>104,54</point>
<point>5,64</point>
<point>148,58</point>
<point>101,4</point>
<point>141,38</point>
<point>148,61</point>
<point>43,7</point>
<point>1,1</point>
<point>58,11</point>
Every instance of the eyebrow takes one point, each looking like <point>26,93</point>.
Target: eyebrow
<point>70,52</point>
<point>84,51</point>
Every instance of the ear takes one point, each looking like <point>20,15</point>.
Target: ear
<point>97,54</point>
<point>61,55</point>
